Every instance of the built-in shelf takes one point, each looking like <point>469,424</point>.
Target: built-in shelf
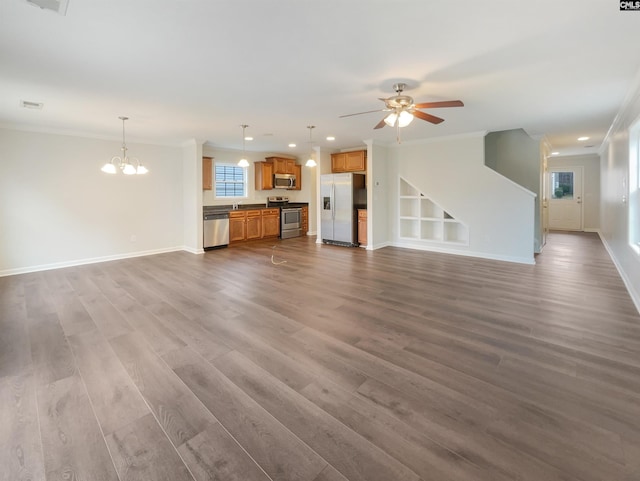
<point>424,220</point>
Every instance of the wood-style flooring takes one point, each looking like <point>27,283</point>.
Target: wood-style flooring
<point>325,364</point>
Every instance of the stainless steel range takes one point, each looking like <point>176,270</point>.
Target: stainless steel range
<point>290,217</point>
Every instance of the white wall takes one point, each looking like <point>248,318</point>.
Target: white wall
<point>614,176</point>
<point>591,185</point>
<point>379,182</point>
<point>514,154</point>
<point>451,172</point>
<point>192,196</point>
<point>306,194</point>
<point>57,207</point>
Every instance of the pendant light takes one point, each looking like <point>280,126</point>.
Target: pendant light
<point>311,162</point>
<point>126,165</point>
<point>243,161</point>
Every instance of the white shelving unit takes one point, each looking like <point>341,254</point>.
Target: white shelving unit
<point>422,219</point>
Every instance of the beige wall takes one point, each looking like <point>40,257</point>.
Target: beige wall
<point>57,208</point>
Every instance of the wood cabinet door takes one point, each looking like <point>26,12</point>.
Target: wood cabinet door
<point>254,225</point>
<point>304,220</point>
<point>279,165</point>
<point>338,162</point>
<point>270,225</point>
<point>362,227</point>
<point>297,170</point>
<point>264,175</point>
<point>290,166</point>
<point>355,161</point>
<point>237,229</point>
<point>207,173</point>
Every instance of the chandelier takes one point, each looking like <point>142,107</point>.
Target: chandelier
<point>125,163</point>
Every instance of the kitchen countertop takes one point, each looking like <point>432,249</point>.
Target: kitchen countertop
<point>229,207</point>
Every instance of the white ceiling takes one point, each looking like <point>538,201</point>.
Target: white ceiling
<point>183,69</point>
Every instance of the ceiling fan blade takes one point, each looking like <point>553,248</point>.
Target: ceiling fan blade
<point>428,117</point>
<point>435,105</point>
<point>380,124</point>
<point>360,113</point>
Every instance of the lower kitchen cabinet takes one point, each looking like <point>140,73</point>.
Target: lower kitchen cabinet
<point>270,223</point>
<point>362,227</point>
<point>237,226</point>
<point>253,224</point>
<point>304,220</point>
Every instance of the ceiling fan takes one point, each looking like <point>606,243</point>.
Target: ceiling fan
<point>402,110</point>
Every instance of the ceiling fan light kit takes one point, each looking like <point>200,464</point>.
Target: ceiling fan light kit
<point>403,110</point>
<point>125,163</point>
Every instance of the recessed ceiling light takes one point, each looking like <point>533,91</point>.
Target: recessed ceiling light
<point>248,138</point>
<point>292,145</point>
<point>31,105</point>
<point>582,139</point>
<point>555,153</point>
<point>331,138</point>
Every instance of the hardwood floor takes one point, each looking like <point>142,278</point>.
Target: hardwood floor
<point>330,364</point>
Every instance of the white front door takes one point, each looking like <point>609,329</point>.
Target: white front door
<point>565,198</point>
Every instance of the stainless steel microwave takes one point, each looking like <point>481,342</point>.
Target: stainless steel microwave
<point>284,181</point>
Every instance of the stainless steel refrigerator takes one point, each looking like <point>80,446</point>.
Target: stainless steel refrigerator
<point>340,196</point>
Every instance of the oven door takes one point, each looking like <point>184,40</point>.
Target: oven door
<point>290,223</point>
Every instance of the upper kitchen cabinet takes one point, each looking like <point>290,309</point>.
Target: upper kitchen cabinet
<point>297,170</point>
<point>264,175</point>
<point>355,161</point>
<point>207,173</point>
<point>276,165</point>
<point>282,165</point>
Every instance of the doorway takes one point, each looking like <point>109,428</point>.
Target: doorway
<point>565,198</point>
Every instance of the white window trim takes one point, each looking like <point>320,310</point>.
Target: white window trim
<point>245,181</point>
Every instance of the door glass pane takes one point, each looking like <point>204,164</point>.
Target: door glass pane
<point>562,185</point>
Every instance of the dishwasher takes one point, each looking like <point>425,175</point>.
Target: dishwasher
<point>216,230</point>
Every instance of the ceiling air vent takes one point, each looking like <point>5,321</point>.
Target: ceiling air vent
<point>57,6</point>
<point>31,105</point>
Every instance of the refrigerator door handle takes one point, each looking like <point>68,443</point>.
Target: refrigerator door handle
<point>333,201</point>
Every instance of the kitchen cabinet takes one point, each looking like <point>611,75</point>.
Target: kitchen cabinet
<point>237,226</point>
<point>270,223</point>
<point>254,224</point>
<point>362,227</point>
<point>297,170</point>
<point>207,173</point>
<point>251,224</point>
<point>355,161</point>
<point>282,165</point>
<point>304,220</point>
<point>263,175</point>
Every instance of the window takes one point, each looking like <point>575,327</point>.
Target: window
<point>562,185</point>
<point>231,180</point>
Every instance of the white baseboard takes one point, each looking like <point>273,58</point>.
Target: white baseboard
<point>635,295</point>
<point>191,250</point>
<point>379,245</point>
<point>91,260</point>
<point>480,255</point>
<point>312,232</point>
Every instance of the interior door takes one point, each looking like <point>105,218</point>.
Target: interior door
<point>565,198</point>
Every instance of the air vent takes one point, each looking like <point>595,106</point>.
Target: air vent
<point>57,6</point>
<point>31,105</point>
